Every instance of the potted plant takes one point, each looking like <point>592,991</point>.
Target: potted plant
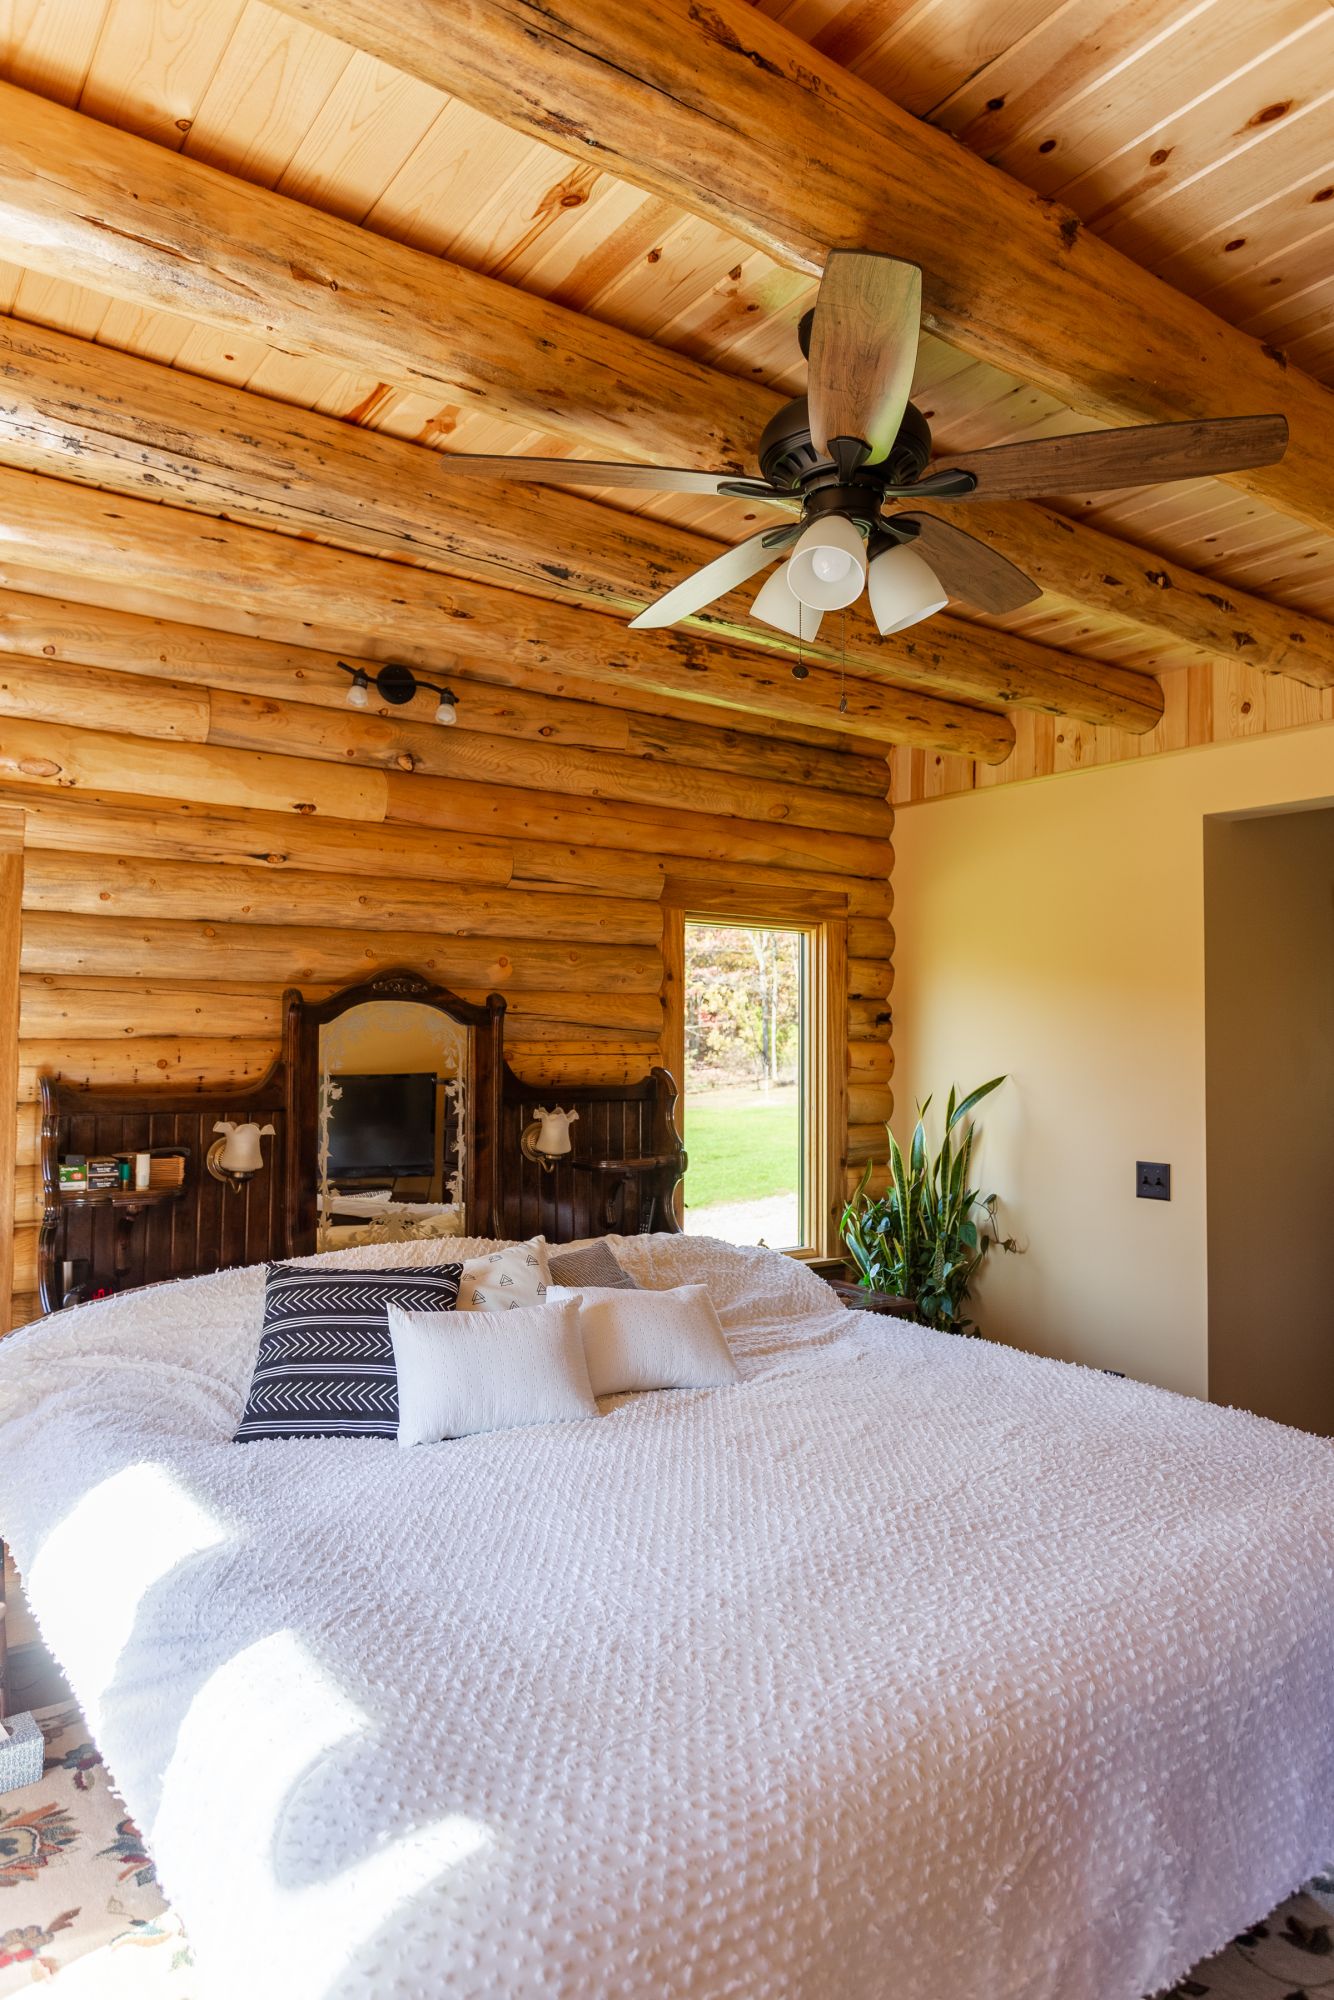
<point>926,1236</point>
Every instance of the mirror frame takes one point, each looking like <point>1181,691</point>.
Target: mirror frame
<point>302,1021</point>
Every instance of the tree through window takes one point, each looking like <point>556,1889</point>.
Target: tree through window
<point>744,1082</point>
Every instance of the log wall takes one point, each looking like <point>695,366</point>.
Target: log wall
<point>202,830</point>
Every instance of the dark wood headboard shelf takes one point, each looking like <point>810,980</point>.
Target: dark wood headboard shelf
<point>623,1176</point>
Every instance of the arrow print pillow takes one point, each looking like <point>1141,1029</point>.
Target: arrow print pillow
<point>325,1366</point>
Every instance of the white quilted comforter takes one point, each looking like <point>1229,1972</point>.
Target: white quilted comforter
<point>910,1667</point>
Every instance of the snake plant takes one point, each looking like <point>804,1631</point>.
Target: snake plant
<point>925,1237</point>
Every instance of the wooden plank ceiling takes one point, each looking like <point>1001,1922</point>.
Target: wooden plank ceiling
<point>1193,135</point>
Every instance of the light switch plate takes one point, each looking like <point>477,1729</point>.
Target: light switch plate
<point>1153,1180</point>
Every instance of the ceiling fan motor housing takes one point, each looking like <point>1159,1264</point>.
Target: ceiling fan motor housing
<point>788,459</point>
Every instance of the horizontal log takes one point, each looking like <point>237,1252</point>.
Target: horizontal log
<point>867,1142</point>
<point>868,1018</point>
<point>298,954</point>
<point>49,757</point>
<point>183,1064</point>
<point>29,1128</point>
<point>65,619</point>
<point>28,1201</point>
<point>758,899</point>
<point>90,1009</point>
<point>546,1069</point>
<point>130,645</point>
<point>24,1308</point>
<point>868,1101</point>
<point>339,735</point>
<point>25,1261</point>
<point>131,427</point>
<point>642,829</point>
<point>870,1061</point>
<point>870,937</point>
<point>743,123</point>
<point>1075,560</point>
<point>119,888</point>
<point>869,979</point>
<point>112,823</point>
<point>84,1011</point>
<point>140,222</point>
<point>64,530</point>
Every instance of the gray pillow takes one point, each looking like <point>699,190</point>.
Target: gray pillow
<point>591,1264</point>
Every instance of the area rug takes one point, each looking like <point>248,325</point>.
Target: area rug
<point>78,1894</point>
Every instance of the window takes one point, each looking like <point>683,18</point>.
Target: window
<point>753,1108</point>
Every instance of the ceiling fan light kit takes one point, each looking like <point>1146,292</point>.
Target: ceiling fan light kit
<point>902,589</point>
<point>854,446</point>
<point>827,568</point>
<point>775,605</point>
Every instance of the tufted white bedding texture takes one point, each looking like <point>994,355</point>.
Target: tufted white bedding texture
<point>908,1667</point>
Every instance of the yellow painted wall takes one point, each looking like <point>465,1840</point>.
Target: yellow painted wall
<point>1055,931</point>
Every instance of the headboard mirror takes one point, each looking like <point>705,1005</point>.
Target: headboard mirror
<point>395,1093</point>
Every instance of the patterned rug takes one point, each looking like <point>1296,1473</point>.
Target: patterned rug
<point>78,1894</point>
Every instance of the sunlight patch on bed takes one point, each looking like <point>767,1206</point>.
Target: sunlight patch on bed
<point>94,1570</point>
<point>257,1731</point>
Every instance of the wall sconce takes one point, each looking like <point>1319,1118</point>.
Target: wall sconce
<point>398,685</point>
<point>547,1138</point>
<point>236,1155</point>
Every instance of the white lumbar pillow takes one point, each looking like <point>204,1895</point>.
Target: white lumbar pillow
<point>504,1280</point>
<point>650,1340</point>
<point>459,1373</point>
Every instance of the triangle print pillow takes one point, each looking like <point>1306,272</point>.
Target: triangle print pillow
<point>325,1366</point>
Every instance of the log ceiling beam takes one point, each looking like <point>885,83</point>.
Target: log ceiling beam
<point>142,224</point>
<point>321,595</point>
<point>734,118</point>
<point>165,232</point>
<point>130,426</point>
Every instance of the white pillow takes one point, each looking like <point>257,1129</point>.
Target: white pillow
<point>650,1340</point>
<point>506,1279</point>
<point>488,1371</point>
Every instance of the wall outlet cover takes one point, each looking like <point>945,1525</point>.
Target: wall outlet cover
<point>1153,1180</point>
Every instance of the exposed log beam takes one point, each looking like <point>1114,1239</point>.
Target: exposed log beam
<point>61,529</point>
<point>159,229</point>
<point>1077,561</point>
<point>58,631</point>
<point>130,426</point>
<point>735,118</point>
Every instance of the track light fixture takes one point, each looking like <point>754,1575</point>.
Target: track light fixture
<point>398,685</point>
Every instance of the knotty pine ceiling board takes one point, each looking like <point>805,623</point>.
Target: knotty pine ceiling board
<point>1109,83</point>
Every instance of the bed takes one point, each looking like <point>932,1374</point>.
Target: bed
<point>911,1666</point>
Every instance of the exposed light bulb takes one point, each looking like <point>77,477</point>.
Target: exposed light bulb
<point>831,565</point>
<point>446,712</point>
<point>828,564</point>
<point>358,695</point>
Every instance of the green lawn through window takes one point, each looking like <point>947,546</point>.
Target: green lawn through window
<point>742,1145</point>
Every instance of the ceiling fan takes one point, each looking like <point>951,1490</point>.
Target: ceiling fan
<point>854,446</point>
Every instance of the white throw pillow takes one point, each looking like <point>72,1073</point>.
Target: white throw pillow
<point>462,1373</point>
<point>650,1340</point>
<point>506,1279</point>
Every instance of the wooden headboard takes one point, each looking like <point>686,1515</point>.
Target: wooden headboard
<point>621,1176</point>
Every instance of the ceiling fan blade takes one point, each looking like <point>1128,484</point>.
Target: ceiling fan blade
<point>968,568</point>
<point>614,472</point>
<point>1095,461</point>
<point>863,350</point>
<point>703,586</point>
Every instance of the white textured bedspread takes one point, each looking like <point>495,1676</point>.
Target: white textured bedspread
<point>910,1667</point>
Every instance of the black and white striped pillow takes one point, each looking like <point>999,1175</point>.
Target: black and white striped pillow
<point>325,1366</point>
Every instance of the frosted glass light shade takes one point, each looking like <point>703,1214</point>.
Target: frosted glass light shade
<point>827,567</point>
<point>446,713</point>
<point>775,605</point>
<point>358,694</point>
<point>240,1146</point>
<point>902,588</point>
<point>553,1131</point>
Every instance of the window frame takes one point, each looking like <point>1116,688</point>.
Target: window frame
<point>824,1123</point>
